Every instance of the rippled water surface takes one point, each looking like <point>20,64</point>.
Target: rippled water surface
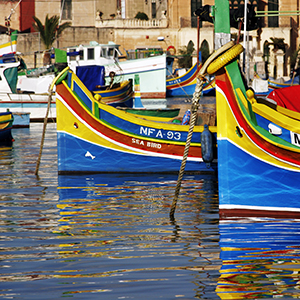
<point>110,237</point>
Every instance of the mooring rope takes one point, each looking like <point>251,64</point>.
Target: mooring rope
<point>194,108</point>
<point>50,91</point>
<point>44,131</point>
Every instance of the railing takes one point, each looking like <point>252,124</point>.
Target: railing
<point>277,13</point>
<point>131,23</point>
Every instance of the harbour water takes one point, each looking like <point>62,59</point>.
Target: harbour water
<point>110,236</point>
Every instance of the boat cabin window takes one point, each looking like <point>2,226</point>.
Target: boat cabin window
<point>103,52</point>
<point>72,57</point>
<point>110,52</point>
<point>90,53</point>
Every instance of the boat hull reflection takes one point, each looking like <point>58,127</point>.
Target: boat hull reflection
<point>260,258</point>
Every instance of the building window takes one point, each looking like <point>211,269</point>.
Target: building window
<point>90,53</point>
<point>204,51</point>
<point>194,5</point>
<point>273,6</point>
<point>234,4</point>
<point>153,7</point>
<point>66,6</point>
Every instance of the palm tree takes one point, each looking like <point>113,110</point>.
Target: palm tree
<point>49,32</point>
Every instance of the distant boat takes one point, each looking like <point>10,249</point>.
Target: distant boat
<point>184,84</point>
<point>114,94</point>
<point>151,70</point>
<point>6,123</point>
<point>10,98</point>
<point>120,94</point>
<point>263,87</point>
<point>10,46</point>
<point>93,137</point>
<point>281,83</point>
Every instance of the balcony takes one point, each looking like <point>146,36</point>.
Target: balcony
<point>131,23</point>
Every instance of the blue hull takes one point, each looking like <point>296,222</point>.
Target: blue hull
<point>271,188</point>
<point>92,158</point>
<point>188,91</point>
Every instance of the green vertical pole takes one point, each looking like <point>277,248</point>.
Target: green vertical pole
<point>137,93</point>
<point>222,22</point>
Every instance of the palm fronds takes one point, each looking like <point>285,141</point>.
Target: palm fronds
<point>51,30</point>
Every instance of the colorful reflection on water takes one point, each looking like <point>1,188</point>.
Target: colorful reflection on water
<point>110,237</point>
<point>105,236</point>
<point>260,259</point>
<point>122,221</point>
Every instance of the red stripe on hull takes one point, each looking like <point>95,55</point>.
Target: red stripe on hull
<point>282,214</point>
<point>224,83</point>
<point>165,148</point>
<point>183,83</point>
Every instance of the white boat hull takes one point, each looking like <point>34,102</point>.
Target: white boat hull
<point>35,104</point>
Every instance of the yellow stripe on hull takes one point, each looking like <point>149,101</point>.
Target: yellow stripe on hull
<point>228,132</point>
<point>66,124</point>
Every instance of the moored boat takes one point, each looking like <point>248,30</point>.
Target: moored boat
<point>151,70</point>
<point>10,46</point>
<point>258,142</point>
<point>115,94</point>
<point>184,85</point>
<point>6,123</point>
<point>95,137</point>
<point>11,99</point>
<point>118,94</point>
<point>263,87</point>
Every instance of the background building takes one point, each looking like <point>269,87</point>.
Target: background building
<point>100,20</point>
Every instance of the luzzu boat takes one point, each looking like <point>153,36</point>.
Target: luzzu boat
<point>6,123</point>
<point>279,84</point>
<point>115,94</point>
<point>263,87</point>
<point>258,143</point>
<point>96,138</point>
<point>184,85</point>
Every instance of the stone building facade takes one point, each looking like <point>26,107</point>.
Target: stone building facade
<point>171,20</point>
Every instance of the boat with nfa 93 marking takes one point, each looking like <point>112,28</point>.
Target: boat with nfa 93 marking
<point>95,137</point>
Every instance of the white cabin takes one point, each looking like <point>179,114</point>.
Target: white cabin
<point>93,54</point>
